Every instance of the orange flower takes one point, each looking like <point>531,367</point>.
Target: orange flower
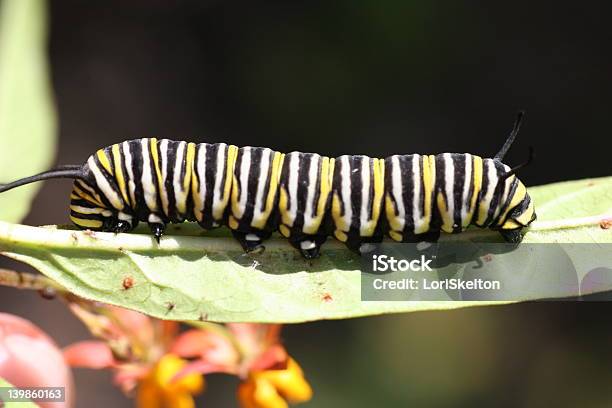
<point>275,388</point>
<point>166,368</point>
<point>160,389</point>
<point>271,379</point>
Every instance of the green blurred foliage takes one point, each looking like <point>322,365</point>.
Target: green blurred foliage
<point>478,357</point>
<point>27,115</point>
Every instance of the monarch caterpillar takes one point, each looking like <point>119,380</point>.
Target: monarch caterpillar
<point>256,191</point>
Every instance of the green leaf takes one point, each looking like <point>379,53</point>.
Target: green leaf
<point>27,116</point>
<point>207,276</point>
<point>572,211</point>
<point>24,404</point>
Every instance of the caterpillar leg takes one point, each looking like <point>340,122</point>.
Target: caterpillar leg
<point>251,242</point>
<point>309,246</point>
<point>122,226</point>
<point>157,228</point>
<point>117,225</point>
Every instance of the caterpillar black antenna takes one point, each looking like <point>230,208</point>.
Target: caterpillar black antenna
<point>515,129</point>
<point>68,171</point>
<point>516,168</point>
<point>68,167</point>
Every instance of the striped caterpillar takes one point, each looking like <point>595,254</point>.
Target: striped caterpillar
<point>306,197</point>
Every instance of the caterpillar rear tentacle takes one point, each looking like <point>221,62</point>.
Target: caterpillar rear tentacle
<point>305,196</point>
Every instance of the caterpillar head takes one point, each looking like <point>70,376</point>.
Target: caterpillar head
<point>519,216</point>
<point>521,211</point>
<point>518,209</point>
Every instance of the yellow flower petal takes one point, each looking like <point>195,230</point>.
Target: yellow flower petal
<point>273,388</point>
<point>259,393</point>
<point>289,382</point>
<point>159,390</point>
<point>191,383</point>
<point>167,367</point>
<point>266,396</point>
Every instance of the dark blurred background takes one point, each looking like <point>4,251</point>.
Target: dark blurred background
<point>370,77</point>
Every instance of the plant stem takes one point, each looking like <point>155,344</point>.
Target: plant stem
<point>25,280</point>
